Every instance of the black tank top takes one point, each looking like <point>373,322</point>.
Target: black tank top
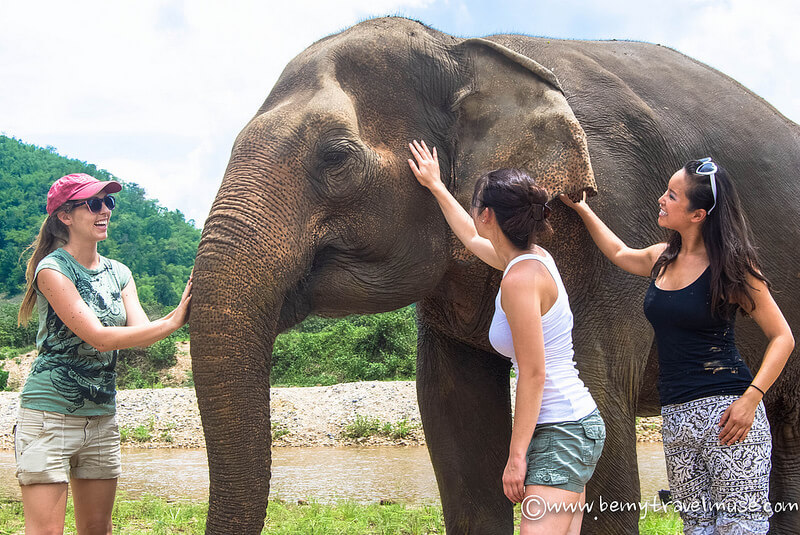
<point>697,353</point>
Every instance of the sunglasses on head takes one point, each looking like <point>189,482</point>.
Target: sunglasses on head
<point>95,204</point>
<point>707,167</point>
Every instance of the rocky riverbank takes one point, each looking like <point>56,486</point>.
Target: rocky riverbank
<point>371,412</point>
<point>301,416</point>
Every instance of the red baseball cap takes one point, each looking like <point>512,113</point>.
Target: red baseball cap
<point>77,186</point>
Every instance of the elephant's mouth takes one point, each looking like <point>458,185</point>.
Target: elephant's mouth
<point>298,301</point>
<point>296,306</point>
<point>341,281</point>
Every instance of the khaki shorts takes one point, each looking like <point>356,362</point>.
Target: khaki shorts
<point>564,454</point>
<point>52,447</point>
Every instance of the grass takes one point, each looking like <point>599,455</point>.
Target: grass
<point>278,431</point>
<point>14,352</point>
<point>156,516</point>
<point>661,523</point>
<point>142,433</point>
<point>152,515</point>
<point>365,426</point>
<point>166,436</point>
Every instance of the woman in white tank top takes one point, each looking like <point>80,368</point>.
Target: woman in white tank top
<point>558,434</point>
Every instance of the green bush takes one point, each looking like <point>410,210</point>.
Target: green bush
<point>182,334</point>
<point>3,379</point>
<point>138,367</point>
<point>355,348</point>
<point>13,352</point>
<point>140,433</point>
<point>365,426</point>
<point>162,354</point>
<point>12,335</point>
<point>130,377</point>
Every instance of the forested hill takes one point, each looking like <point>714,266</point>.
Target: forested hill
<point>158,244</point>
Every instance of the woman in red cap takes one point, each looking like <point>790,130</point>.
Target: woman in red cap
<point>88,309</point>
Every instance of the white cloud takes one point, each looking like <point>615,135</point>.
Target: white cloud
<point>753,41</point>
<point>155,72</point>
<point>155,91</point>
<point>756,43</point>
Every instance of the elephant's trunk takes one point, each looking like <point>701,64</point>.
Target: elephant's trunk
<point>235,306</point>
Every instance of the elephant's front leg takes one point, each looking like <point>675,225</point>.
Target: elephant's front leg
<point>464,403</point>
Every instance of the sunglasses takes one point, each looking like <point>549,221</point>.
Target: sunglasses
<point>707,167</point>
<point>95,204</point>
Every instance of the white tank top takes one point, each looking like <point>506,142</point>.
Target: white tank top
<point>565,397</point>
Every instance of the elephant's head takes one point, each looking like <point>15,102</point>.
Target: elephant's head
<point>319,212</point>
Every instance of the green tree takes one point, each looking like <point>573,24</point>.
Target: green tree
<point>157,244</point>
<point>355,348</point>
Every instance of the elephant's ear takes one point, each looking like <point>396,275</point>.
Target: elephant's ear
<point>512,113</point>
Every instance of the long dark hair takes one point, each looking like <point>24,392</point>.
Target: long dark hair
<point>518,203</point>
<point>731,254</point>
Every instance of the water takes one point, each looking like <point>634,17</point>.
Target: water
<point>361,474</point>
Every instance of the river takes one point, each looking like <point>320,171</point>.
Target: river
<point>327,474</point>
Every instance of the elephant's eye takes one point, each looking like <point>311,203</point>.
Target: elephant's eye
<point>340,166</point>
<point>334,158</point>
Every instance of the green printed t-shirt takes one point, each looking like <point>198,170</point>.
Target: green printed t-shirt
<point>69,376</point>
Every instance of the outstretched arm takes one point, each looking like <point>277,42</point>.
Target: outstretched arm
<point>426,169</point>
<point>76,314</point>
<point>635,261</point>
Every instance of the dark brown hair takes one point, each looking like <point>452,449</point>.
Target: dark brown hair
<point>518,203</point>
<point>731,255</point>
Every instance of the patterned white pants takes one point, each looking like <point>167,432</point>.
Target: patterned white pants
<point>718,490</point>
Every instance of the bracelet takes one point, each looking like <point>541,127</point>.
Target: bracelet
<point>762,392</point>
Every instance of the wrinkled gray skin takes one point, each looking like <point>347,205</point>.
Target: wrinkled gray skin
<point>319,213</point>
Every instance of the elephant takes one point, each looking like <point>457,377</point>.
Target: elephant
<point>319,213</point>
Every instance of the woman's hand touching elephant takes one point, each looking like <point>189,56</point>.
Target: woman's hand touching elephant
<point>426,167</point>
<point>573,204</point>
<point>180,315</point>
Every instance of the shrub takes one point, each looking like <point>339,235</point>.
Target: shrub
<point>129,377</point>
<point>138,367</point>
<point>400,429</point>
<point>365,426</point>
<point>278,431</point>
<point>140,433</point>
<point>162,353</point>
<point>12,335</point>
<point>355,348</point>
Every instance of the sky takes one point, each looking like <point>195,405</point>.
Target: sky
<point>155,91</point>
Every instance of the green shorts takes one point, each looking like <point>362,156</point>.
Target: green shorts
<point>563,454</point>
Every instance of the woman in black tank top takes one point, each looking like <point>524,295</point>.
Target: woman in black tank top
<point>716,437</point>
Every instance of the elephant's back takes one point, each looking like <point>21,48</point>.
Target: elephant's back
<point>655,73</point>
<point>636,82</point>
